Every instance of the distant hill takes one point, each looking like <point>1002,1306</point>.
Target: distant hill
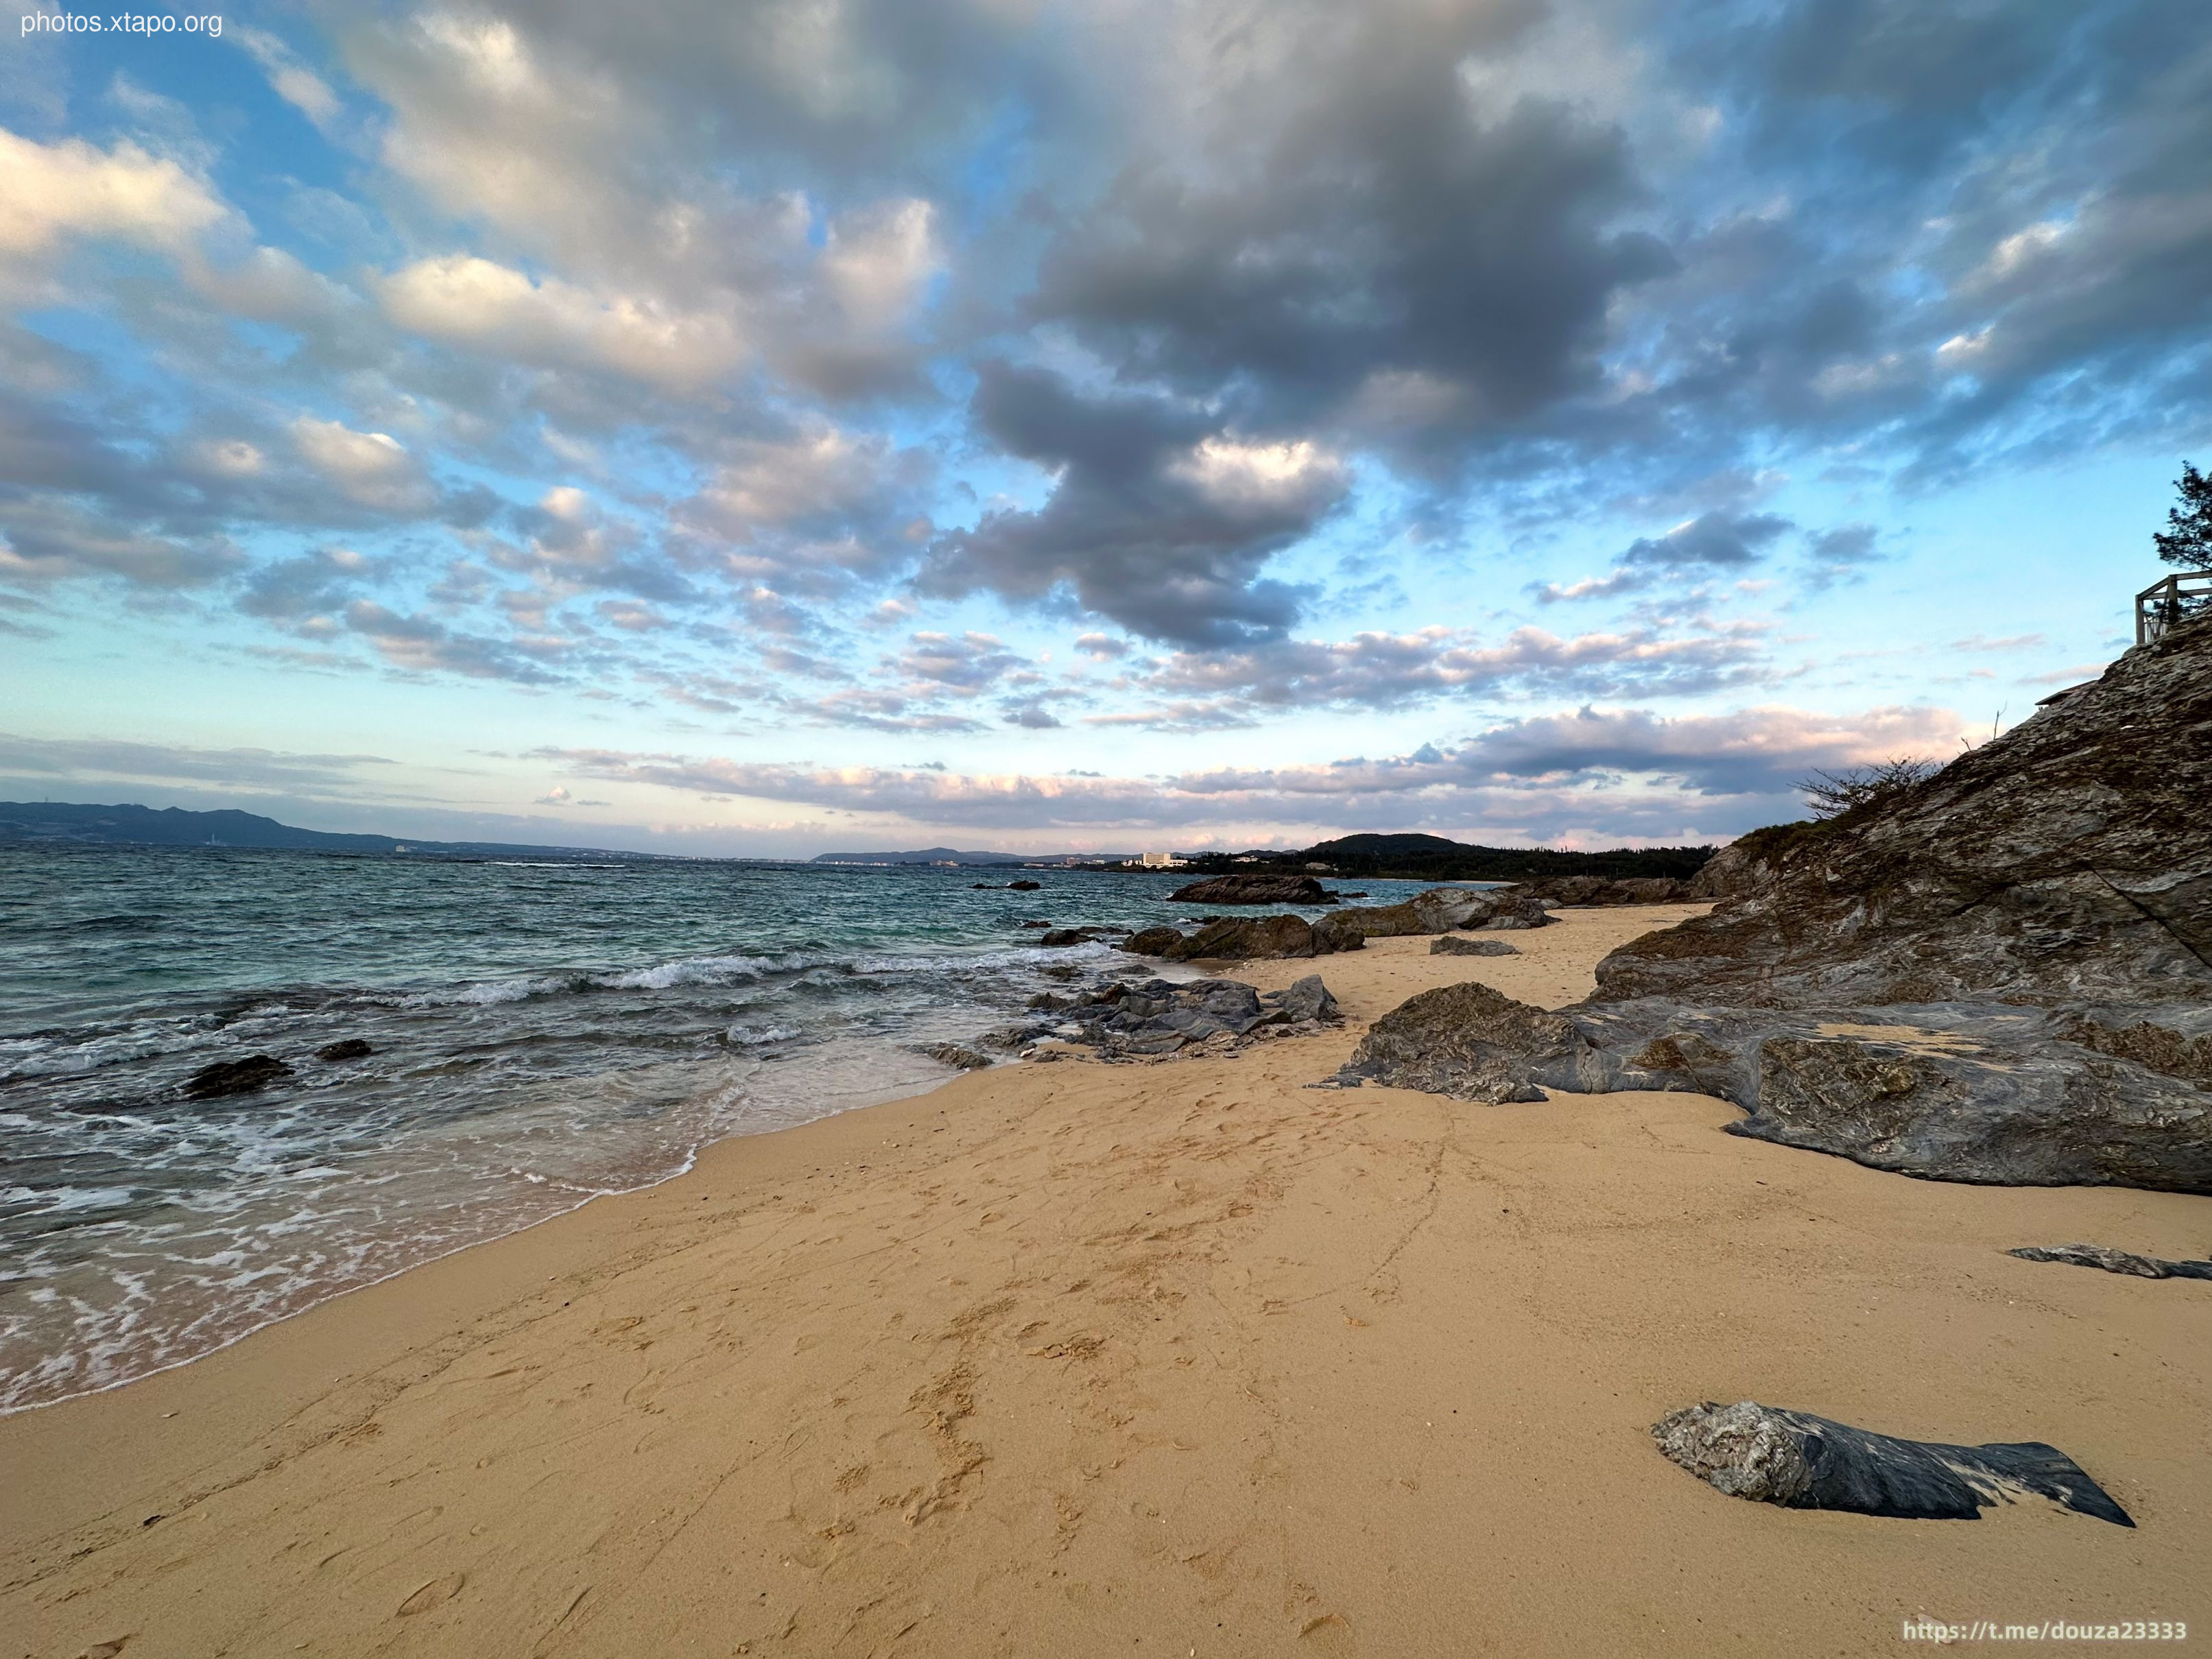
<point>1434,859</point>
<point>173,826</point>
<point>926,855</point>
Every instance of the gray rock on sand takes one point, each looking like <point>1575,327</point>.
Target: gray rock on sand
<point>234,1077</point>
<point>2114,1261</point>
<point>1159,1016</point>
<point>1594,891</point>
<point>1448,944</point>
<point>1240,939</point>
<point>1306,999</point>
<point>1801,1461</point>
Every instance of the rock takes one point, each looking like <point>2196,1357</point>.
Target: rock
<point>1049,1002</point>
<point>1306,999</point>
<point>1254,890</point>
<point>1448,946</point>
<point>1999,975</point>
<point>2114,1261</point>
<point>1801,1461</point>
<point>1746,864</point>
<point>1024,886</point>
<point>1331,934</point>
<point>1152,941</point>
<point>2067,860</point>
<point>350,1049</point>
<point>1473,1043</point>
<point>1439,910</point>
<point>1245,938</point>
<point>1060,937</point>
<point>1159,1016</point>
<point>1032,924</point>
<point>234,1077</point>
<point>955,1055</point>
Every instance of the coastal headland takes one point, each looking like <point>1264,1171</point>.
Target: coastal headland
<point>1179,1356</point>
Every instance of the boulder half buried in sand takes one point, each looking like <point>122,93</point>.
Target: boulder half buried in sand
<point>2114,1261</point>
<point>1804,1462</point>
<point>1450,944</point>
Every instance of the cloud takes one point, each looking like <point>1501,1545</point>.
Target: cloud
<point>1711,543</point>
<point>1629,773</point>
<point>90,758</point>
<point>51,195</point>
<point>467,300</point>
<point>1156,520</point>
<point>291,80</point>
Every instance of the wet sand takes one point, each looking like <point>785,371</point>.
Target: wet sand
<point>1179,1357</point>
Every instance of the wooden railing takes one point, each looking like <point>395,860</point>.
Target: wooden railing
<point>2161,604</point>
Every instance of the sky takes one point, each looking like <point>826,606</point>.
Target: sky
<point>803,425</point>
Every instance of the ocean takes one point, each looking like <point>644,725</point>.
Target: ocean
<point>541,1034</point>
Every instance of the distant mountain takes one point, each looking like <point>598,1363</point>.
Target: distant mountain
<point>926,855</point>
<point>1433,858</point>
<point>172,826</point>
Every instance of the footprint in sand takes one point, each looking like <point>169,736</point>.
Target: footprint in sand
<point>435,1593</point>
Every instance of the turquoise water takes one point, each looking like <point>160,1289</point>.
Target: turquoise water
<point>543,1033</point>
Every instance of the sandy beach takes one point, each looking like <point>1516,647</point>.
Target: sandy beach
<point>1177,1358</point>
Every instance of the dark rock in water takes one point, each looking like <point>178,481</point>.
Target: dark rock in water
<point>2001,974</point>
<point>350,1048</point>
<point>1450,946</point>
<point>1060,937</point>
<point>234,1077</point>
<point>1801,1461</point>
<point>2114,1261</point>
<point>956,1055</point>
<point>1024,886</point>
<point>1152,941</point>
<point>1254,890</point>
<point>1065,972</point>
<point>1049,1002</point>
<point>1033,924</point>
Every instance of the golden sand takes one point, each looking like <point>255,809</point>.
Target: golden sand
<point>1174,1358</point>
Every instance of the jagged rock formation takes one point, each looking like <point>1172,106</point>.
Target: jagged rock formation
<point>1159,1016</point>
<point>1243,939</point>
<point>1801,1461</point>
<point>2114,1261</point>
<point>1254,890</point>
<point>1999,975</point>
<point>1440,910</point>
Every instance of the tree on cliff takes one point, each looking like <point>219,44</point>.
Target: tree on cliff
<point>2187,539</point>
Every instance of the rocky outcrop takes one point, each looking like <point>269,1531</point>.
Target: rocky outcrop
<point>1242,939</point>
<point>2114,1261</point>
<point>1059,938</point>
<point>348,1049</point>
<point>234,1077</point>
<point>1450,944</point>
<point>1159,1016</point>
<point>1995,976</point>
<point>1800,1462</point>
<point>1254,890</point>
<point>1440,910</point>
<point>956,1055</point>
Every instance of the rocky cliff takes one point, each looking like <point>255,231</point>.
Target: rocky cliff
<point>2002,975</point>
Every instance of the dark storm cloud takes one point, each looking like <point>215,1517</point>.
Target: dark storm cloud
<point>1155,518</point>
<point>1351,238</point>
